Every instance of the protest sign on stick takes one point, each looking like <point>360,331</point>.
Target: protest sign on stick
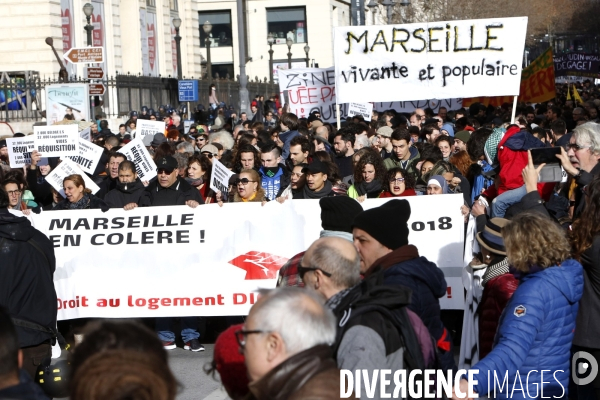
<point>57,140</point>
<point>19,150</point>
<point>136,152</point>
<point>363,110</point>
<point>64,169</point>
<point>148,127</point>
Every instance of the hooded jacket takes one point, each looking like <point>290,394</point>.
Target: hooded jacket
<point>125,193</point>
<point>26,277</point>
<point>276,184</point>
<point>410,166</point>
<point>534,334</point>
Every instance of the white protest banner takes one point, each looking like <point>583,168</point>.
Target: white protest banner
<point>187,124</point>
<point>57,140</point>
<point>19,150</point>
<point>64,98</point>
<point>410,106</point>
<point>64,169</point>
<point>308,90</point>
<point>220,177</point>
<point>86,134</point>
<point>128,264</point>
<point>363,110</point>
<point>430,60</point>
<point>145,127</point>
<point>136,152</point>
<point>88,157</point>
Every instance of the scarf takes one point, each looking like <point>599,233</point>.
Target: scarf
<point>250,198</point>
<point>337,298</point>
<point>195,182</point>
<point>399,255</point>
<point>309,194</point>
<point>81,203</point>
<point>496,269</point>
<point>372,188</point>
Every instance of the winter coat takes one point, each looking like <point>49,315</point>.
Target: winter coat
<point>96,203</point>
<point>534,334</point>
<point>497,291</point>
<point>276,184</point>
<point>587,330</point>
<point>410,166</point>
<point>185,192</point>
<point>125,193</point>
<point>26,277</point>
<point>26,389</point>
<point>40,188</point>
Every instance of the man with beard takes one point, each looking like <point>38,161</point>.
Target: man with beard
<point>317,186</point>
<point>129,188</point>
<point>4,162</point>
<point>112,172</point>
<point>343,145</point>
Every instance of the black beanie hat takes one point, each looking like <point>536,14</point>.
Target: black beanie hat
<point>338,212</point>
<point>388,223</point>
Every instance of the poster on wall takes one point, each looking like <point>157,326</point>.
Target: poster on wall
<point>99,23</point>
<point>60,97</point>
<point>68,32</point>
<point>144,36</point>
<point>151,34</point>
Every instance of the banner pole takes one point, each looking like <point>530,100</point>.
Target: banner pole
<point>337,111</point>
<point>514,110</point>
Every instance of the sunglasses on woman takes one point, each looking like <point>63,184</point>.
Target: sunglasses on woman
<point>243,181</point>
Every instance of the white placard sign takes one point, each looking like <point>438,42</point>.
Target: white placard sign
<point>64,169</point>
<point>145,127</point>
<point>57,140</point>
<point>363,110</point>
<point>430,60</point>
<point>220,178</point>
<point>308,90</point>
<point>88,157</point>
<point>136,152</point>
<point>86,134</point>
<point>19,150</point>
<point>233,244</point>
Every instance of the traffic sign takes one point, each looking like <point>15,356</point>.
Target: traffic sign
<point>97,89</point>
<point>94,73</point>
<point>188,90</point>
<point>85,55</point>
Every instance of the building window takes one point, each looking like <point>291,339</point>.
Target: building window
<point>222,71</point>
<point>220,34</point>
<point>173,5</point>
<point>151,3</point>
<point>287,22</point>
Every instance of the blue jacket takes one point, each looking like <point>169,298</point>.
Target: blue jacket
<point>535,333</point>
<point>271,184</point>
<point>286,138</point>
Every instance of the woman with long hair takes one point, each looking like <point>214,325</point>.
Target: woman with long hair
<point>199,169</point>
<point>369,176</point>
<point>585,242</point>
<point>78,197</point>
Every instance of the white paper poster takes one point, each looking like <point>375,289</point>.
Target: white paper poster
<point>363,110</point>
<point>86,134</point>
<point>19,150</point>
<point>435,60</point>
<point>57,140</point>
<point>145,127</point>
<point>59,97</point>
<point>88,157</point>
<point>220,177</point>
<point>234,245</point>
<point>136,152</point>
<point>64,169</point>
<point>308,90</point>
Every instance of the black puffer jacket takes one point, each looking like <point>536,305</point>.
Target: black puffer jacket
<point>185,192</point>
<point>124,193</point>
<point>26,277</point>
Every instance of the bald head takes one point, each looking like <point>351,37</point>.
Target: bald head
<point>323,132</point>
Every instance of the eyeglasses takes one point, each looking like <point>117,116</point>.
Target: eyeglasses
<point>14,192</point>
<point>576,147</point>
<point>162,171</point>
<point>243,181</point>
<point>201,138</point>
<point>209,155</point>
<point>398,180</point>
<point>303,270</point>
<point>241,336</point>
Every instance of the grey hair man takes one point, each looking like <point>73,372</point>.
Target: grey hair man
<point>222,137</point>
<point>289,330</point>
<point>323,132</point>
<point>361,141</point>
<point>185,148</point>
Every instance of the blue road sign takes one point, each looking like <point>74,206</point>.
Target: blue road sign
<point>188,90</point>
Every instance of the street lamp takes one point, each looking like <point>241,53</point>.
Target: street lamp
<point>207,28</point>
<point>289,43</point>
<point>388,4</point>
<point>306,50</point>
<point>372,6</point>
<point>88,9</point>
<point>270,40</point>
<point>177,24</point>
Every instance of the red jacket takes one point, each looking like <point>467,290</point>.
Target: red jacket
<point>496,294</point>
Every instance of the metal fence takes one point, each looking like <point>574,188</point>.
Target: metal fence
<point>22,95</point>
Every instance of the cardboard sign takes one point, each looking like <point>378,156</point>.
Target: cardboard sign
<point>86,134</point>
<point>364,110</point>
<point>136,152</point>
<point>429,60</point>
<point>88,157</point>
<point>19,151</point>
<point>145,127</point>
<point>64,169</point>
<point>220,177</point>
<point>57,140</point>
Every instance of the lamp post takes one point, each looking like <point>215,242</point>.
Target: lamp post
<point>289,43</point>
<point>306,50</point>
<point>372,6</point>
<point>388,4</point>
<point>88,9</point>
<point>207,28</point>
<point>177,24</point>
<point>270,40</point>
<point>243,92</point>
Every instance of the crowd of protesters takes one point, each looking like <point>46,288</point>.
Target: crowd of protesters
<point>361,296</point>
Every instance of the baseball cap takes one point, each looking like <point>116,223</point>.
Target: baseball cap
<point>168,163</point>
<point>315,167</point>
